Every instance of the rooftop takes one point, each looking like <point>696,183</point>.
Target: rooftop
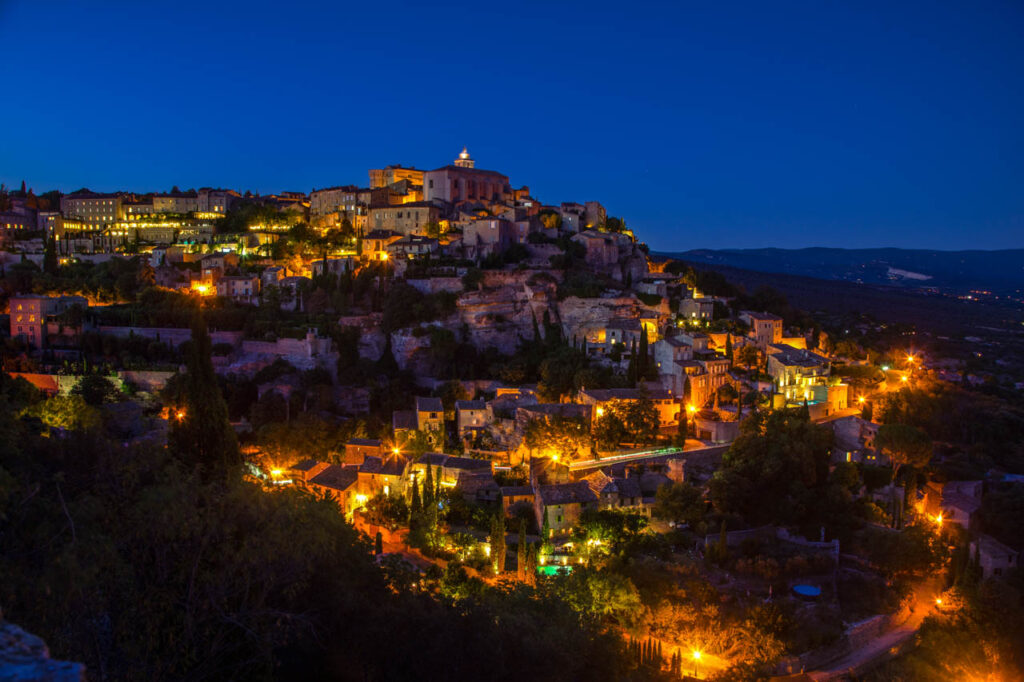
<point>567,493</point>
<point>428,404</point>
<point>336,477</point>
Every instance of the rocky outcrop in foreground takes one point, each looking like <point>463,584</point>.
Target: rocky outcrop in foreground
<point>25,657</point>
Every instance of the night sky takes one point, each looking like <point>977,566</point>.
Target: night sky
<point>703,124</point>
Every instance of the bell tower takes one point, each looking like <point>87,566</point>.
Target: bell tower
<point>464,161</point>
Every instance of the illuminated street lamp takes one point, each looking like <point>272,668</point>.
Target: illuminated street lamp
<point>396,450</point>
<point>861,399</point>
<point>903,378</point>
<point>696,660</point>
<point>938,601</point>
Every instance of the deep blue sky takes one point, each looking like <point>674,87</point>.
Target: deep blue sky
<point>703,124</point>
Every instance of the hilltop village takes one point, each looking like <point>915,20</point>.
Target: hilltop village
<point>493,390</point>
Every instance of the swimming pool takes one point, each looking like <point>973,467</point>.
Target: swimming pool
<point>553,569</point>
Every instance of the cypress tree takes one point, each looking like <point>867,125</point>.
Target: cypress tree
<point>378,544</point>
<point>728,348</point>
<point>498,543</point>
<point>531,564</point>
<point>50,256</point>
<point>521,551</point>
<point>642,358</point>
<point>414,505</point>
<point>203,435</point>
<point>428,489</point>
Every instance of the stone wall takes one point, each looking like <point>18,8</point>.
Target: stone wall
<point>173,336</point>
<point>433,285</point>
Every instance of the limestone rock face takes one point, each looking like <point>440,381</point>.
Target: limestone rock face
<point>585,316</point>
<point>25,657</point>
<point>503,310</point>
<point>634,267</point>
<point>412,352</point>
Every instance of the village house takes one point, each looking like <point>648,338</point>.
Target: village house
<point>301,472</point>
<point>995,558</point>
<point>358,449</point>
<point>619,493</point>
<point>241,288</point>
<point>514,497</point>
<point>412,246</point>
<point>405,219</point>
<point>562,504</point>
<point>765,328</point>
<point>449,469</point>
<point>664,402</point>
<point>332,266</point>
<point>383,475</point>
<point>375,244</point>
<point>803,376</point>
<point>338,483</point>
<point>956,502</point>
<point>429,414</point>
<point>702,309</point>
<point>29,314</point>
<point>471,416</point>
<point>483,238</point>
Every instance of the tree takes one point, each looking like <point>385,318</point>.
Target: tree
<point>50,256</point>
<point>609,429</point>
<point>96,390</point>
<point>202,435</point>
<point>642,354</point>
<point>904,445</point>
<point>378,544</point>
<point>777,471</point>
<point>498,543</point>
<point>747,356</point>
<point>521,551</point>
<point>70,412</point>
<point>641,418</point>
<point>679,503</point>
<point>558,436</point>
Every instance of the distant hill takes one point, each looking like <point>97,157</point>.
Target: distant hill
<point>950,271</point>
